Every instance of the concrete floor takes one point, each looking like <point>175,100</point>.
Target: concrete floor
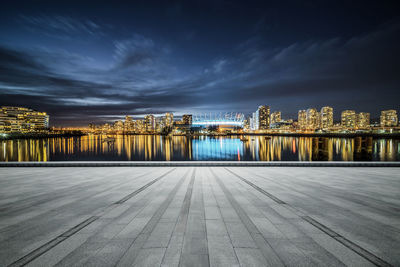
<point>199,216</point>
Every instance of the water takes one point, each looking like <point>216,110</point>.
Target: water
<point>155,147</point>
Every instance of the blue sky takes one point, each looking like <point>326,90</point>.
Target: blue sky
<point>92,61</point>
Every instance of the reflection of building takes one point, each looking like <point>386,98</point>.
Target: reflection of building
<point>187,119</point>
<point>276,117</point>
<point>389,118</point>
<point>20,119</point>
<point>326,117</point>
<point>312,118</point>
<point>302,119</point>
<point>363,120</point>
<point>348,119</point>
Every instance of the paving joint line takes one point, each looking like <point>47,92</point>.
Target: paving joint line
<point>57,240</point>
<point>258,238</point>
<point>339,238</point>
<point>143,236</point>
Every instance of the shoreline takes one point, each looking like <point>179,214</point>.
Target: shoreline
<point>316,135</point>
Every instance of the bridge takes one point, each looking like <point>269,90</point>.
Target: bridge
<point>226,119</point>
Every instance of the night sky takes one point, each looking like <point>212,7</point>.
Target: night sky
<point>93,61</point>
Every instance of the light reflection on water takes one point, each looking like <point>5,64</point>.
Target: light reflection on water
<point>155,147</point>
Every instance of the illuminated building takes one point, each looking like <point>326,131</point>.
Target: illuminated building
<point>302,119</point>
<point>187,119</point>
<point>326,117</point>
<point>128,124</point>
<point>169,119</point>
<point>150,123</point>
<point>276,117</point>
<point>348,119</point>
<point>22,120</point>
<point>363,120</point>
<point>312,118</point>
<point>262,121</point>
<point>389,118</point>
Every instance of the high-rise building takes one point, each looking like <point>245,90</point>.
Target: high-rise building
<point>348,119</point>
<point>363,120</point>
<point>302,119</point>
<point>326,117</point>
<point>312,118</point>
<point>262,118</point>
<point>169,119</point>
<point>389,118</point>
<point>187,119</point>
<point>276,117</point>
<point>150,123</point>
<point>128,124</point>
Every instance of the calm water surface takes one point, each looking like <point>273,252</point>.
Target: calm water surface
<point>154,147</point>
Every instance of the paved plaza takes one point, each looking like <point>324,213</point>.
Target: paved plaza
<point>199,216</point>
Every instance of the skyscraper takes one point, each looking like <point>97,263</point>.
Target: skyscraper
<point>276,117</point>
<point>302,119</point>
<point>169,119</point>
<point>312,117</point>
<point>389,118</point>
<point>363,120</point>
<point>348,119</point>
<point>150,122</point>
<point>326,117</point>
<point>262,118</point>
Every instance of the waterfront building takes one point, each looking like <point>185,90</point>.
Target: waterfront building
<point>22,120</point>
<point>312,118</point>
<point>150,123</point>
<point>187,119</point>
<point>128,124</point>
<point>363,120</point>
<point>276,117</point>
<point>326,117</point>
<point>348,119</point>
<point>302,119</point>
<point>262,118</point>
<point>169,119</point>
<point>389,118</point>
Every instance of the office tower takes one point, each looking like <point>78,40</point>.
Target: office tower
<point>262,118</point>
<point>389,118</point>
<point>312,118</point>
<point>363,120</point>
<point>276,117</point>
<point>302,119</point>
<point>187,119</point>
<point>348,119</point>
<point>326,117</point>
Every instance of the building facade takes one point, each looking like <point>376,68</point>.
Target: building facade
<point>363,120</point>
<point>22,120</point>
<point>348,119</point>
<point>312,118</point>
<point>326,117</point>
<point>276,117</point>
<point>302,119</point>
<point>389,118</point>
<point>262,118</point>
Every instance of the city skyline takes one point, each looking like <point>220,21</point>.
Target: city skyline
<point>82,63</point>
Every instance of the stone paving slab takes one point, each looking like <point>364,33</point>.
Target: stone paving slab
<point>199,216</point>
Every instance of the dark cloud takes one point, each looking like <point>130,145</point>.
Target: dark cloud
<point>195,67</point>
